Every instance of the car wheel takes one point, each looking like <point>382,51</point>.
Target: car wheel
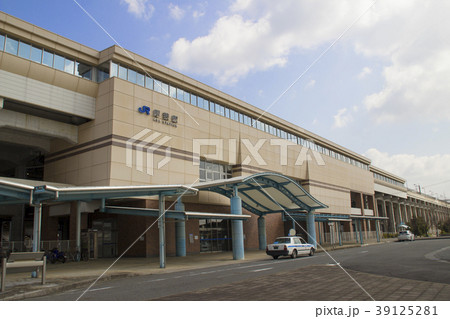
<point>275,257</point>
<point>294,254</point>
<point>311,252</point>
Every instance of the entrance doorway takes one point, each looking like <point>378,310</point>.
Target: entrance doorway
<point>106,237</point>
<point>215,235</point>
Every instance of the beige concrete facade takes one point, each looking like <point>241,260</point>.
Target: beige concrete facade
<point>91,132</point>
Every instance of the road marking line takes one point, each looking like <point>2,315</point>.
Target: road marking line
<point>256,270</point>
<point>97,289</point>
<point>161,279</point>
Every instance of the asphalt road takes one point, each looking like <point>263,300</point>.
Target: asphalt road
<point>427,260</point>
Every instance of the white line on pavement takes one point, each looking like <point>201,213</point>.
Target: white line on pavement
<point>256,270</point>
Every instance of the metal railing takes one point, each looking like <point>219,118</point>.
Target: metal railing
<point>27,245</point>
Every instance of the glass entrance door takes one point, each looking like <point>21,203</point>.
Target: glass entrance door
<point>215,235</point>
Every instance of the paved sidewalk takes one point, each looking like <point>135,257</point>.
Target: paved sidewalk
<point>72,275</point>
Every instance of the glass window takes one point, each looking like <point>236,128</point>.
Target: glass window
<point>140,79</point>
<point>132,76</point>
<point>206,104</point>
<point>157,85</point>
<point>217,109</point>
<point>122,72</point>
<point>59,62</point>
<point>148,82</point>
<point>103,72</point>
<point>47,59</point>
<point>194,99</point>
<point>36,54</point>
<point>200,101</point>
<point>232,115</point>
<point>180,94</point>
<point>69,66</point>
<point>173,92</point>
<point>241,118</point>
<point>227,112</point>
<point>24,50</point>
<point>84,70</point>
<point>2,42</point>
<point>164,88</point>
<point>187,97</point>
<point>114,69</point>
<point>212,106</point>
<point>11,46</point>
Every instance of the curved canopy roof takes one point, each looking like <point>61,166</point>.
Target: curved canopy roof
<point>265,193</point>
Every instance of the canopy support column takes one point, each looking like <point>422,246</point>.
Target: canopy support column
<point>237,227</point>
<point>36,233</point>
<point>37,227</point>
<point>180,231</point>
<point>262,232</point>
<point>311,228</point>
<point>162,232</point>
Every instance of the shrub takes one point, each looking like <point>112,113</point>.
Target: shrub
<point>419,226</point>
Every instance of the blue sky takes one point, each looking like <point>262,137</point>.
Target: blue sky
<point>381,90</point>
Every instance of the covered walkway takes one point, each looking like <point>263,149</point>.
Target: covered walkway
<point>260,194</point>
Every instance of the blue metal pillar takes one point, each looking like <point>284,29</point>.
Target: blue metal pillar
<point>180,231</point>
<point>237,228</point>
<point>37,227</point>
<point>311,228</point>
<point>36,233</point>
<point>162,232</point>
<point>262,232</point>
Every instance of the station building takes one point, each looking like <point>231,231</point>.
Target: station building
<point>72,116</point>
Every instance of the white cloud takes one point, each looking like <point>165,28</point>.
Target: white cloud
<point>411,37</point>
<point>176,12</point>
<point>408,37</point>
<point>142,9</point>
<point>431,172</point>
<point>342,118</point>
<point>310,84</point>
<point>258,35</point>
<point>364,72</point>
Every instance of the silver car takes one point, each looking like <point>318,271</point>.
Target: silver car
<point>405,235</point>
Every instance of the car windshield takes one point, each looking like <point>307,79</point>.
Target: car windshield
<point>282,240</point>
<point>403,233</point>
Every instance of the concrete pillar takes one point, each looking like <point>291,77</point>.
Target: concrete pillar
<point>338,226</point>
<point>320,231</point>
<point>180,231</point>
<point>392,217</point>
<point>78,226</point>
<point>237,227</point>
<point>262,232</point>
<point>162,232</point>
<point>311,228</point>
<point>377,230</point>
